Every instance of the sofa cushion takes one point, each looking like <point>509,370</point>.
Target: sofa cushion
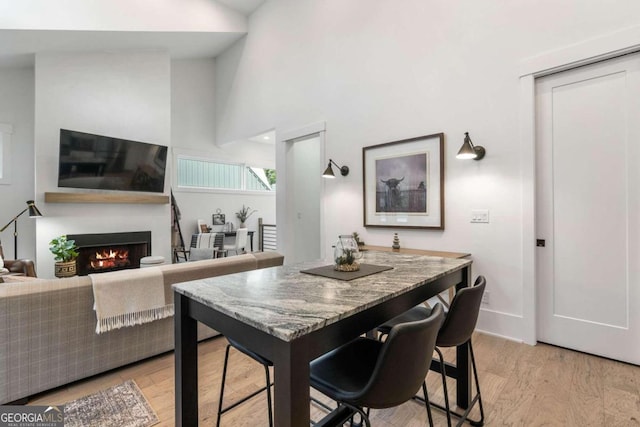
<point>198,254</point>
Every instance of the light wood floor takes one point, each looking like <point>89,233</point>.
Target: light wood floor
<point>521,385</point>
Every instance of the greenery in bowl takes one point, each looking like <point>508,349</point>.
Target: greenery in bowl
<point>347,257</point>
<point>63,249</point>
<point>245,213</point>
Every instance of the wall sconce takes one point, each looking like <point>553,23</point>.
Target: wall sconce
<point>328,172</point>
<point>33,213</point>
<point>470,151</point>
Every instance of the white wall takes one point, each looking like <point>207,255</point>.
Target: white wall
<point>379,72</point>
<point>193,134</point>
<point>124,95</point>
<point>16,109</point>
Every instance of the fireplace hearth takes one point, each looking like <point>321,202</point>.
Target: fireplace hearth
<point>99,253</point>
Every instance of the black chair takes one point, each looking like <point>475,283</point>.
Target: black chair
<point>258,358</point>
<point>367,373</point>
<point>456,330</point>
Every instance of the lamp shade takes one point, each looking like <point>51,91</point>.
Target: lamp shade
<point>469,151</point>
<point>328,172</point>
<point>33,210</point>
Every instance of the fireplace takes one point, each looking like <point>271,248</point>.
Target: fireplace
<point>99,253</point>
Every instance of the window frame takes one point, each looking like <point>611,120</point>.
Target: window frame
<point>211,159</point>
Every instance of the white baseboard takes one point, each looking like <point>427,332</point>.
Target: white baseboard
<point>503,325</point>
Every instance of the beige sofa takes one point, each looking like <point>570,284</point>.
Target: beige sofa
<point>47,327</point>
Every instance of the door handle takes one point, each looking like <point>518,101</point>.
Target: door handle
<point>540,243</point>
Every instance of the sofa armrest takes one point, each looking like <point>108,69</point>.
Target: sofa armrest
<point>268,259</point>
<point>24,266</point>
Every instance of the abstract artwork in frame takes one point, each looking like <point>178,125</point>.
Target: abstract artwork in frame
<point>404,183</point>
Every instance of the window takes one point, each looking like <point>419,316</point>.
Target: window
<point>5,153</point>
<point>200,173</point>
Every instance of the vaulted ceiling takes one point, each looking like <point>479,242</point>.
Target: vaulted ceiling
<point>23,33</point>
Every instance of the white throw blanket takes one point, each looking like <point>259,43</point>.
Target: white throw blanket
<point>129,297</point>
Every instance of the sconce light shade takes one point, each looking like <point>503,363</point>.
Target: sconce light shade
<point>470,151</point>
<point>33,210</point>
<point>328,172</point>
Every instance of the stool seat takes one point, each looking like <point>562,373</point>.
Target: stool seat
<point>252,354</point>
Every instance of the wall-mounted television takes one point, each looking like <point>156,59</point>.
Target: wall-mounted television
<point>106,163</point>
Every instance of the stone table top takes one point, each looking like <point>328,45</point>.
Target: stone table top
<point>287,304</point>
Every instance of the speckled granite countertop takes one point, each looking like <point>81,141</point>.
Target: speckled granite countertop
<point>288,304</point>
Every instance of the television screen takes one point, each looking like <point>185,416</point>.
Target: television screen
<point>105,163</point>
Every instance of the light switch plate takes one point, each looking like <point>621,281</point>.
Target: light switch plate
<point>480,215</point>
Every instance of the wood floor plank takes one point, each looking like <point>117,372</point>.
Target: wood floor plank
<point>522,386</point>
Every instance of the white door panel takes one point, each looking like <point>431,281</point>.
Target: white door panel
<point>587,208</point>
<point>306,183</point>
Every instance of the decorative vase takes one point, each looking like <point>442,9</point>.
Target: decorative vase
<point>65,269</point>
<point>242,224</point>
<point>346,254</point>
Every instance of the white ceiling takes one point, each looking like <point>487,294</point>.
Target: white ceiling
<point>18,47</point>
<point>245,7</point>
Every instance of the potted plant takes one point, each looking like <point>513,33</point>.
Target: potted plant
<point>356,236</point>
<point>66,253</point>
<point>346,254</point>
<point>243,214</point>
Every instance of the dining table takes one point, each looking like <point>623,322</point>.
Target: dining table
<point>291,317</point>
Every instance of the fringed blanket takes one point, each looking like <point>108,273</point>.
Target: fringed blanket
<point>129,297</point>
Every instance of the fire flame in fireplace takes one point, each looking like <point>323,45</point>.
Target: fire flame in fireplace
<point>110,258</point>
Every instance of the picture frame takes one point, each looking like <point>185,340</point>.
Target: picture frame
<point>218,219</point>
<point>403,183</point>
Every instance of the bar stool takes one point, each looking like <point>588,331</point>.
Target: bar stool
<point>456,330</point>
<point>258,358</point>
<point>367,373</point>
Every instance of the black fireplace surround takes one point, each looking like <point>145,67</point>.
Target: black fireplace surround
<point>135,244</point>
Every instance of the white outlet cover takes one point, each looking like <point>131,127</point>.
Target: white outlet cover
<point>480,215</point>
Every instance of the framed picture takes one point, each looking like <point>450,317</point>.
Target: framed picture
<point>404,183</point>
<point>218,219</point>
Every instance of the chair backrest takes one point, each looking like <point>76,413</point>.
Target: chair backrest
<point>205,240</point>
<point>403,362</point>
<point>218,240</point>
<point>194,240</point>
<point>462,316</point>
<point>203,227</point>
<point>241,238</point>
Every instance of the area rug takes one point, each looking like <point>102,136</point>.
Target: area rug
<point>122,405</point>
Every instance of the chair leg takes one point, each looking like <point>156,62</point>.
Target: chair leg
<point>363,415</point>
<point>475,377</point>
<point>426,402</point>
<point>244,399</point>
<point>266,370</point>
<point>477,398</point>
<point>443,373</point>
<point>224,377</point>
